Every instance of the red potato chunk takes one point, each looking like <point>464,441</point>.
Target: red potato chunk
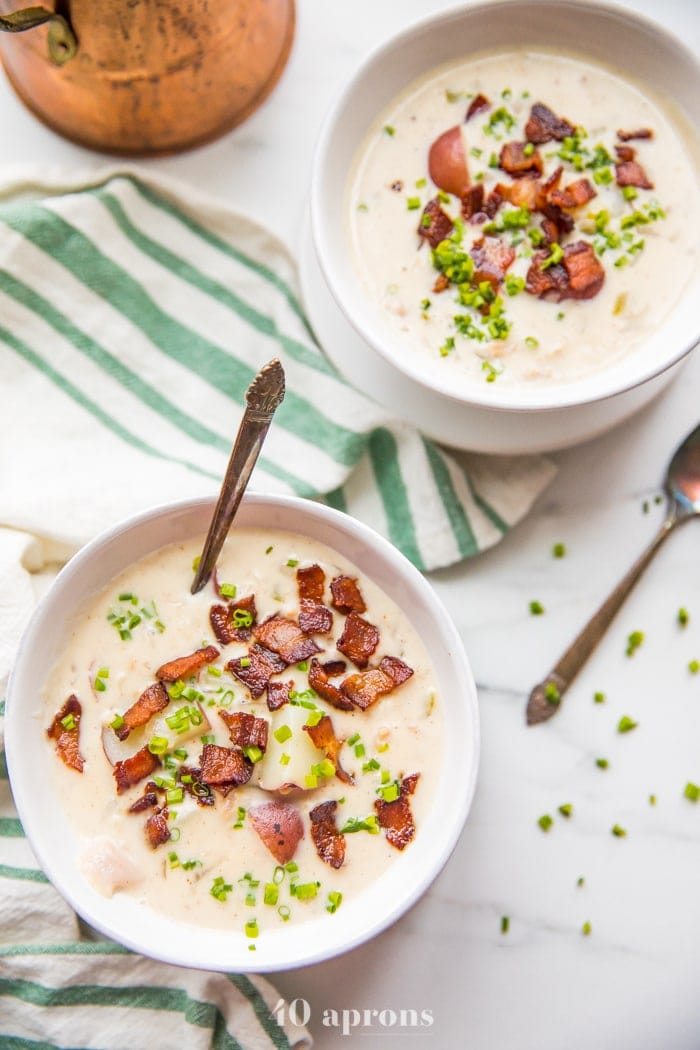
<point>329,843</point>
<point>245,730</point>
<point>131,770</point>
<point>152,700</point>
<point>280,828</point>
<point>67,736</point>
<point>359,640</point>
<point>286,638</point>
<point>346,594</point>
<point>396,817</point>
<point>224,766</point>
<point>186,666</point>
<point>230,622</point>
<point>256,668</point>
<point>447,162</point>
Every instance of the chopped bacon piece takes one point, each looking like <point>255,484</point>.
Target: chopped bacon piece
<point>477,104</point>
<point>365,687</point>
<point>630,173</point>
<point>256,669</point>
<point>229,622</point>
<point>314,619</point>
<point>286,638</point>
<point>396,185</point>
<point>157,830</point>
<point>359,640</point>
<point>68,739</point>
<point>278,694</point>
<point>625,152</point>
<point>396,817</point>
<point>639,133</point>
<point>129,771</point>
<point>333,668</point>
<point>319,680</point>
<point>280,828</point>
<point>543,125</point>
<point>224,765</point>
<point>586,275</point>
<point>551,284</point>
<point>245,730</point>
<point>574,195</point>
<point>311,583</point>
<point>200,792</point>
<point>447,162</point>
<point>347,596</point>
<point>185,666</point>
<point>517,160</point>
<point>492,257</point>
<point>549,184</point>
<point>442,283</point>
<point>550,230</point>
<point>473,200</point>
<point>148,800</point>
<point>435,224</point>
<point>523,193</point>
<point>494,201</point>
<point>324,738</point>
<point>329,843</point>
<point>152,700</point>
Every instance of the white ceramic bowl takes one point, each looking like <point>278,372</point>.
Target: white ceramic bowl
<point>51,833</point>
<point>507,419</point>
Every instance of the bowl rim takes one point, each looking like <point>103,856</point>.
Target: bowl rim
<point>314,949</point>
<point>554,396</point>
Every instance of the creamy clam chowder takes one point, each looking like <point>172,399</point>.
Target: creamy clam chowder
<point>252,755</point>
<point>524,217</point>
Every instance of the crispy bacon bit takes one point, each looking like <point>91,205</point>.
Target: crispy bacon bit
<point>131,770</point>
<point>186,666</point>
<point>550,230</point>
<point>256,669</point>
<point>578,276</point>
<point>630,173</point>
<point>365,688</point>
<point>473,200</point>
<point>625,152</point>
<point>151,701</point>
<point>523,193</point>
<point>359,640</point>
<point>280,828</point>
<point>313,618</point>
<point>200,792</point>
<point>640,133</point>
<point>477,104</point>
<point>319,680</point>
<point>324,738</point>
<point>222,766</point>
<point>435,224</point>
<point>543,125</point>
<point>574,195</point>
<point>286,638</point>
<point>329,843</point>
<point>586,275</point>
<point>347,596</point>
<point>333,668</point>
<point>396,817</point>
<point>157,830</point>
<point>148,800</point>
<point>447,163</point>
<point>494,201</point>
<point>396,185</point>
<point>311,583</point>
<point>245,730</point>
<point>68,740</point>
<point>492,257</point>
<point>278,694</point>
<point>227,626</point>
<point>515,159</point>
<point>442,283</point>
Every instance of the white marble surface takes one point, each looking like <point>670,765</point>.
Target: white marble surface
<point>631,984</point>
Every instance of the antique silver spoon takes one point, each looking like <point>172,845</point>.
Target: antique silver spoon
<point>263,396</point>
<point>682,486</point>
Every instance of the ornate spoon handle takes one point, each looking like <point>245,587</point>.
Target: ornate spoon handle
<point>264,395</point>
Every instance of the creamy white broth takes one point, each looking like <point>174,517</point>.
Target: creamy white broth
<point>548,342</point>
<point>114,854</point>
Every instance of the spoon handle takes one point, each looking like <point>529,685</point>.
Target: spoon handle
<point>545,698</point>
<point>262,398</point>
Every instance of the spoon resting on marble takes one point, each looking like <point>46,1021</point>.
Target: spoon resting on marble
<point>682,487</point>
<point>263,397</point>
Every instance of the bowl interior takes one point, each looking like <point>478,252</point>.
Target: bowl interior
<point>637,48</point>
<point>54,839</point>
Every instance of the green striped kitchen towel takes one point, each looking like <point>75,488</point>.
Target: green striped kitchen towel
<point>133,316</point>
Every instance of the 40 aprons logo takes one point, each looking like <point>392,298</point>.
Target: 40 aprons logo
<point>298,1013</point>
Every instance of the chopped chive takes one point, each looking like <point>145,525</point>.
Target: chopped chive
<point>683,617</point>
<point>282,734</point>
<point>580,880</point>
<point>158,745</point>
<point>271,893</point>
<point>314,718</point>
<point>334,901</point>
<point>626,724</point>
<point>117,722</point>
<point>285,759</point>
<point>558,550</point>
<point>599,698</point>
<point>69,722</point>
<point>253,753</point>
<point>413,203</point>
<point>634,640</point>
<point>586,929</point>
<point>536,608</point>
<point>618,831</point>
<point>566,809</point>
<point>692,791</point>
<point>389,130</point>
<point>359,750</point>
<point>551,693</point>
<point>505,924</point>
<point>545,822</point>
<point>602,763</point>
<point>694,666</point>
<point>251,928</point>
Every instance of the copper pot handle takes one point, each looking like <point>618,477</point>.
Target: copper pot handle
<point>62,41</point>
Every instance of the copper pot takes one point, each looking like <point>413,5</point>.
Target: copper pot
<point>144,76</point>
